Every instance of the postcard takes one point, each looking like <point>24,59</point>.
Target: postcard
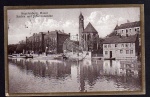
<point>74,50</point>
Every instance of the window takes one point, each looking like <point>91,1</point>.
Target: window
<point>126,45</point>
<point>105,46</point>
<point>131,51</point>
<point>121,51</point>
<point>106,52</point>
<point>135,29</point>
<point>138,29</point>
<point>122,45</point>
<point>115,45</point>
<point>127,51</point>
<point>109,45</point>
<point>126,30</point>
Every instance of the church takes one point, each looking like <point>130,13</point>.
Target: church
<point>88,36</point>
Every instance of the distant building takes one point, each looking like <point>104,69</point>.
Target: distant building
<point>50,41</point>
<point>35,42</point>
<point>129,28</point>
<point>121,47</point>
<point>88,37</point>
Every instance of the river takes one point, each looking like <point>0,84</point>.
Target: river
<point>42,76</point>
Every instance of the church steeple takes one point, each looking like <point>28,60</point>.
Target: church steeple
<point>81,25</point>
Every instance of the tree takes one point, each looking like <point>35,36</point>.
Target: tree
<point>20,48</point>
<point>12,48</point>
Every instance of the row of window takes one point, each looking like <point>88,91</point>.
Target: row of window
<point>136,29</point>
<point>122,45</point>
<point>121,52</point>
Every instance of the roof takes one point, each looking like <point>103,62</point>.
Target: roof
<point>90,29</point>
<point>118,39</point>
<point>128,25</point>
<point>54,32</point>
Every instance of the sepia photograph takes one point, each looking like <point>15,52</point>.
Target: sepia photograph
<point>74,50</point>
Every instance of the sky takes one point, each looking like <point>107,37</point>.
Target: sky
<point>103,20</point>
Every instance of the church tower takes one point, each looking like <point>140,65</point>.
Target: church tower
<point>81,26</point>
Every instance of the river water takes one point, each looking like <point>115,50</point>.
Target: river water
<point>40,76</point>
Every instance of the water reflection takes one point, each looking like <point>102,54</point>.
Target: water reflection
<point>86,75</point>
<point>44,68</point>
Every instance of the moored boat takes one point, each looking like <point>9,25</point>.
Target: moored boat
<point>21,56</point>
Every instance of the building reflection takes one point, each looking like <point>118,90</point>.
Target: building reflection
<point>121,68</point>
<point>88,73</point>
<point>52,69</point>
<point>125,74</point>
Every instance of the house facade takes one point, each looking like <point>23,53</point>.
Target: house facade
<point>121,47</point>
<point>46,41</point>
<point>130,28</point>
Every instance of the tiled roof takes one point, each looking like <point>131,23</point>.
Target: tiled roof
<point>118,39</point>
<point>128,25</point>
<point>90,29</point>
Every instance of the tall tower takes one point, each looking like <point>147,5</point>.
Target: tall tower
<point>81,26</point>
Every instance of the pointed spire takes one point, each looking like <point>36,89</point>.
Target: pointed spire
<point>81,15</point>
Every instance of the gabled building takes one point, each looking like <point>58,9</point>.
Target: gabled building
<point>121,47</point>
<point>88,37</point>
<point>129,28</point>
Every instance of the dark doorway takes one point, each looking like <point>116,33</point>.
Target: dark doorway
<point>110,54</point>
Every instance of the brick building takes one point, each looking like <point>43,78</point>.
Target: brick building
<point>46,41</point>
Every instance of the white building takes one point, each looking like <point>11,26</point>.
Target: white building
<point>121,47</point>
<point>130,28</point>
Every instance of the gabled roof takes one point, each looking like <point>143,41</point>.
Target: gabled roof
<point>90,29</point>
<point>128,25</point>
<point>122,39</point>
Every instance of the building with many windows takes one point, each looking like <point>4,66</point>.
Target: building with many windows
<point>125,43</point>
<point>51,42</point>
<point>127,29</point>
<point>121,47</point>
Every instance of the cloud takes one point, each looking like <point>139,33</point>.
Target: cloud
<point>41,25</point>
<point>103,23</point>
